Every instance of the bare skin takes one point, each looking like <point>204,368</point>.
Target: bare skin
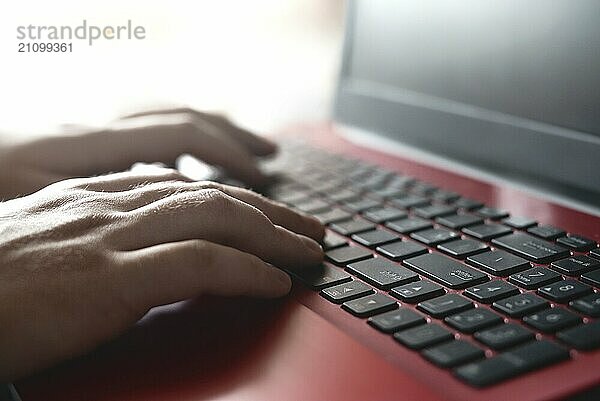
<point>83,259</point>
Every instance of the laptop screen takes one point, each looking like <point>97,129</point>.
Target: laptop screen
<point>461,78</point>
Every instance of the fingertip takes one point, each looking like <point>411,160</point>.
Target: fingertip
<point>316,252</point>
<point>283,282</point>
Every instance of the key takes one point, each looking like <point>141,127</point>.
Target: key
<point>445,196</point>
<point>575,265</point>
<point>527,357</point>
<point>383,214</point>
<point>445,305</point>
<point>595,253</point>
<point>408,201</point>
<point>468,204</point>
<point>423,188</point>
<point>592,277</point>
<point>322,276</point>
<point>434,236</point>
<point>519,223</point>
<point>432,211</point>
<point>491,291</point>
<point>531,248</point>
<point>313,205</point>
<point>520,304</point>
<point>584,337</point>
<point>353,226</point>
<point>458,221</point>
<point>504,336</point>
<point>453,353</point>
<point>463,247</point>
<point>445,270</point>
<point>399,319</point>
<point>332,240</point>
<point>535,277</point>
<point>348,254</point>
<point>343,195</point>
<point>417,291</point>
<point>423,336</point>
<point>408,225</point>
<point>401,250</point>
<point>577,242</point>
<point>386,193</point>
<point>382,273</point>
<point>332,215</point>
<point>346,292</point>
<point>375,238</point>
<point>498,262</point>
<point>565,290</point>
<point>552,319</point>
<point>486,232</point>
<point>589,305</point>
<point>473,320</point>
<point>546,232</point>
<point>370,305</point>
<point>491,213</point>
<point>361,204</point>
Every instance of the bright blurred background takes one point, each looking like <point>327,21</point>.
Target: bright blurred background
<point>265,63</point>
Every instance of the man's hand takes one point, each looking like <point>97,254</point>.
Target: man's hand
<point>155,136</point>
<point>84,259</point>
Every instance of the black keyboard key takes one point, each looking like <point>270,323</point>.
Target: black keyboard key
<point>417,291</point>
<point>473,320</point>
<point>575,265</point>
<point>468,204</point>
<point>346,292</point>
<point>498,262</point>
<point>399,319</point>
<point>535,277</point>
<point>491,213</point>
<point>332,240</point>
<point>432,211</point>
<point>375,237</point>
<point>463,247</point>
<point>588,305</point>
<point>347,254</point>
<point>458,221</point>
<point>577,242</point>
<point>402,250</point>
<point>387,192</point>
<point>408,201</point>
<point>531,248</point>
<point>423,188</point>
<point>453,353</point>
<point>445,196</point>
<point>382,273</point>
<point>343,195</point>
<point>519,223</point>
<point>445,305</point>
<point>486,232</point>
<point>504,336</point>
<point>592,278</point>
<point>491,291</point>
<point>409,225</point>
<point>370,305</point>
<point>520,304</point>
<point>361,204</point>
<point>322,276</point>
<point>564,291</point>
<point>445,270</point>
<point>383,214</point>
<point>546,232</point>
<point>353,226</point>
<point>313,205</point>
<point>423,336</point>
<point>525,358</point>
<point>434,236</point>
<point>595,253</point>
<point>584,337</point>
<point>332,215</point>
<point>551,320</point>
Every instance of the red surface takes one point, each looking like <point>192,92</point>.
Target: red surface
<point>228,349</point>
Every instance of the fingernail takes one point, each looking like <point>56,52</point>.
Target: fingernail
<point>311,244</point>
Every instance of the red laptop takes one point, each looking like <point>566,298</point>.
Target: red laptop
<point>459,181</point>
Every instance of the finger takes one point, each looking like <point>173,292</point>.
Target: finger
<point>257,145</point>
<point>173,272</point>
<point>214,216</point>
<point>129,180</point>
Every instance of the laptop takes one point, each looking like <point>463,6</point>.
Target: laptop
<point>459,182</point>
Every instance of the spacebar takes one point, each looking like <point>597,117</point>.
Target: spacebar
<point>445,271</point>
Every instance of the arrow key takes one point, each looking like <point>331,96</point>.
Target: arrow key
<point>492,291</point>
<point>445,305</point>
<point>565,290</point>
<point>473,320</point>
<point>417,291</point>
<point>345,292</point>
<point>370,305</point>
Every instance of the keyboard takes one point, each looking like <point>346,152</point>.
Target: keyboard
<point>470,287</point>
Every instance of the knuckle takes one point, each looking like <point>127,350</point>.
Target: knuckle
<point>218,200</point>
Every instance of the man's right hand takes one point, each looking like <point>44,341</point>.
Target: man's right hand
<point>83,259</point>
